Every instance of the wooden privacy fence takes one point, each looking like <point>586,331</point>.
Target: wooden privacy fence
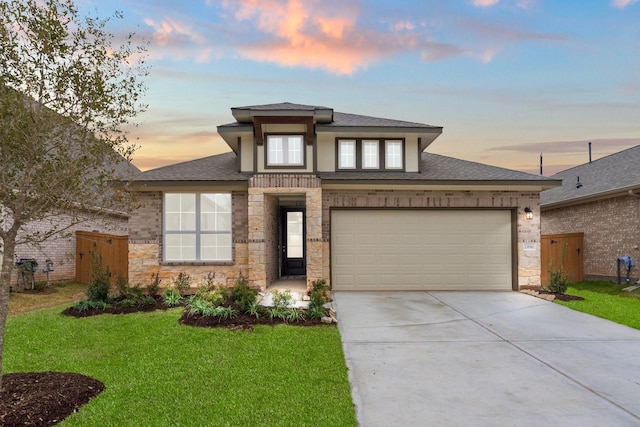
<point>113,249</point>
<point>552,247</point>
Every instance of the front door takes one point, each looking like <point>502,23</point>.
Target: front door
<point>293,239</point>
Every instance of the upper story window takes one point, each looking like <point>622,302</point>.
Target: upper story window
<point>346,154</point>
<point>393,154</point>
<point>370,154</point>
<point>285,150</point>
<point>197,227</point>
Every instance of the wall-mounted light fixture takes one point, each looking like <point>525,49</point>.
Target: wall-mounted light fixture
<point>529,212</point>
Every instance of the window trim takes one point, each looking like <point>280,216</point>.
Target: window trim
<point>382,155</point>
<point>198,232</point>
<point>285,136</point>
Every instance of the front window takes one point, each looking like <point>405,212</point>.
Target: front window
<point>346,154</point>
<point>370,154</point>
<point>393,155</point>
<point>284,150</point>
<point>197,227</point>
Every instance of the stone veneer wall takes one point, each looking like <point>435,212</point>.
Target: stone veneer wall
<point>528,231</point>
<point>271,237</point>
<point>145,245</point>
<point>262,188</point>
<point>611,229</point>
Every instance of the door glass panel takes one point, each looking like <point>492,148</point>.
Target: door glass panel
<point>294,235</point>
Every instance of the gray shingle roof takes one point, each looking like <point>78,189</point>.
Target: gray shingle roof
<point>219,167</point>
<point>356,120</point>
<point>435,169</point>
<point>285,106</point>
<point>617,172</point>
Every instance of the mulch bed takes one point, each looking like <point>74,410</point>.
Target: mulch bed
<point>116,309</point>
<point>240,321</point>
<point>44,398</point>
<point>562,297</point>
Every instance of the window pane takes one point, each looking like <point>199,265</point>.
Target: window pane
<point>180,212</point>
<point>180,247</point>
<point>275,150</point>
<point>346,154</point>
<point>393,157</point>
<point>295,234</point>
<point>294,150</point>
<point>215,247</point>
<point>215,212</point>
<point>370,155</point>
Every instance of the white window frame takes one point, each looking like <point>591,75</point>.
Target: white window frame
<point>370,157</point>
<point>194,231</point>
<point>347,159</point>
<point>289,153</point>
<point>393,159</point>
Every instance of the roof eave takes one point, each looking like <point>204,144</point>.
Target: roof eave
<point>591,197</point>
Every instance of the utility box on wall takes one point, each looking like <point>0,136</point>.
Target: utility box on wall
<point>552,247</point>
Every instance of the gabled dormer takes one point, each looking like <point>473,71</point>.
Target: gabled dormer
<point>286,138</point>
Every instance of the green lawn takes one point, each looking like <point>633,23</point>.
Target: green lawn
<point>158,372</point>
<point>606,300</point>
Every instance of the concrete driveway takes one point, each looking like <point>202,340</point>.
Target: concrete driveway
<point>485,358</point>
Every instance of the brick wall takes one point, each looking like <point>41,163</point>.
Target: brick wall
<point>610,228</point>
<point>62,249</point>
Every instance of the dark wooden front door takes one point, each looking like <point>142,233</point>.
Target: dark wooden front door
<point>293,241</point>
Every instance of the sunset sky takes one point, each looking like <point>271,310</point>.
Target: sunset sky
<point>507,79</point>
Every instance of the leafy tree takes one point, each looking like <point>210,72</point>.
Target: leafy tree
<point>66,93</point>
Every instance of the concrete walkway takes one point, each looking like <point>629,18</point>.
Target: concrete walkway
<point>486,359</point>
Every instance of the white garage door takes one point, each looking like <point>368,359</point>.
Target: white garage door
<point>421,250</point>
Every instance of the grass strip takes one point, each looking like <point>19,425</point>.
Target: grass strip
<point>606,300</point>
<point>158,372</point>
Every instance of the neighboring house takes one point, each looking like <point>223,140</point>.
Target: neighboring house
<point>351,199</point>
<point>61,249</point>
<point>601,200</point>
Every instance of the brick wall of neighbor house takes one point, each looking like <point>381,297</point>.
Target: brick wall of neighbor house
<point>145,246</point>
<point>62,249</point>
<point>610,228</point>
<point>528,231</point>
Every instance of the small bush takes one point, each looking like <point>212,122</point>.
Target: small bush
<point>255,310</point>
<point>243,295</point>
<point>558,279</point>
<point>171,297</point>
<point>294,315</point>
<point>212,294</point>
<point>153,288</point>
<point>225,312</point>
<point>282,299</point>
<point>98,289</point>
<point>182,283</point>
<point>122,286</point>
<point>40,285</point>
<point>277,312</point>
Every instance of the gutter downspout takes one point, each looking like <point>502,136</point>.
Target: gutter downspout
<point>637,196</point>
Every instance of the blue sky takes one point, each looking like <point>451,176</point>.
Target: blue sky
<point>507,79</point>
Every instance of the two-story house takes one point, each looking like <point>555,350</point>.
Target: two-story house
<point>351,199</point>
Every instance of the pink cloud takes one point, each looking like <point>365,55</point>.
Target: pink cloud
<point>176,39</point>
<point>324,35</point>
<point>621,4</point>
<point>485,3</point>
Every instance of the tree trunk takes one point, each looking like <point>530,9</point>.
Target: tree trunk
<point>9,250</point>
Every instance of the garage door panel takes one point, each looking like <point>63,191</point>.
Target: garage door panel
<point>421,249</point>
